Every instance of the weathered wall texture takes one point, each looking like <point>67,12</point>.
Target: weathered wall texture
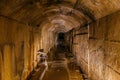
<point>104,47</point>
<point>98,52</point>
<point>47,38</point>
<point>81,53</point>
<point>18,45</point>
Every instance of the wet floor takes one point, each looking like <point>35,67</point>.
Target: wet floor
<point>56,72</point>
<point>61,68</point>
<point>35,75</point>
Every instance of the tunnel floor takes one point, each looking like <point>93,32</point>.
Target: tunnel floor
<point>57,71</point>
<point>61,68</point>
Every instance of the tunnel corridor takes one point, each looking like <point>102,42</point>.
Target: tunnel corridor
<point>62,66</point>
<point>80,38</point>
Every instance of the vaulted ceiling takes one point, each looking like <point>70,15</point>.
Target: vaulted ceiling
<point>70,12</point>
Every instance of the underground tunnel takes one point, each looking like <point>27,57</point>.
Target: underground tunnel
<point>59,40</point>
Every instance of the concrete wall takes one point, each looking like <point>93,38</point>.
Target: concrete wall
<point>18,46</point>
<point>98,52</point>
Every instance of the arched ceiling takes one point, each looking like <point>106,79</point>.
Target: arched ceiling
<point>72,12</point>
<point>60,20</point>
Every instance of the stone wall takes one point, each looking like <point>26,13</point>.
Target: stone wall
<point>104,47</point>
<point>81,47</point>
<point>98,52</point>
<point>18,46</point>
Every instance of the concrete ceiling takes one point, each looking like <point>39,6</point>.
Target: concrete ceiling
<point>36,12</point>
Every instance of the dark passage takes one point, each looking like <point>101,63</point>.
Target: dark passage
<point>61,43</point>
<point>59,39</point>
<point>61,67</point>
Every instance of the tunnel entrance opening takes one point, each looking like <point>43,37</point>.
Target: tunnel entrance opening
<point>61,43</point>
<point>61,36</point>
<point>60,39</point>
<point>61,49</point>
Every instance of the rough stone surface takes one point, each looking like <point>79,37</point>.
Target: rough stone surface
<point>98,51</point>
<point>104,48</point>
<point>28,25</point>
<point>17,49</point>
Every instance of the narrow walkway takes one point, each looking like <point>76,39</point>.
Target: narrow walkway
<point>57,69</point>
<point>60,68</point>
